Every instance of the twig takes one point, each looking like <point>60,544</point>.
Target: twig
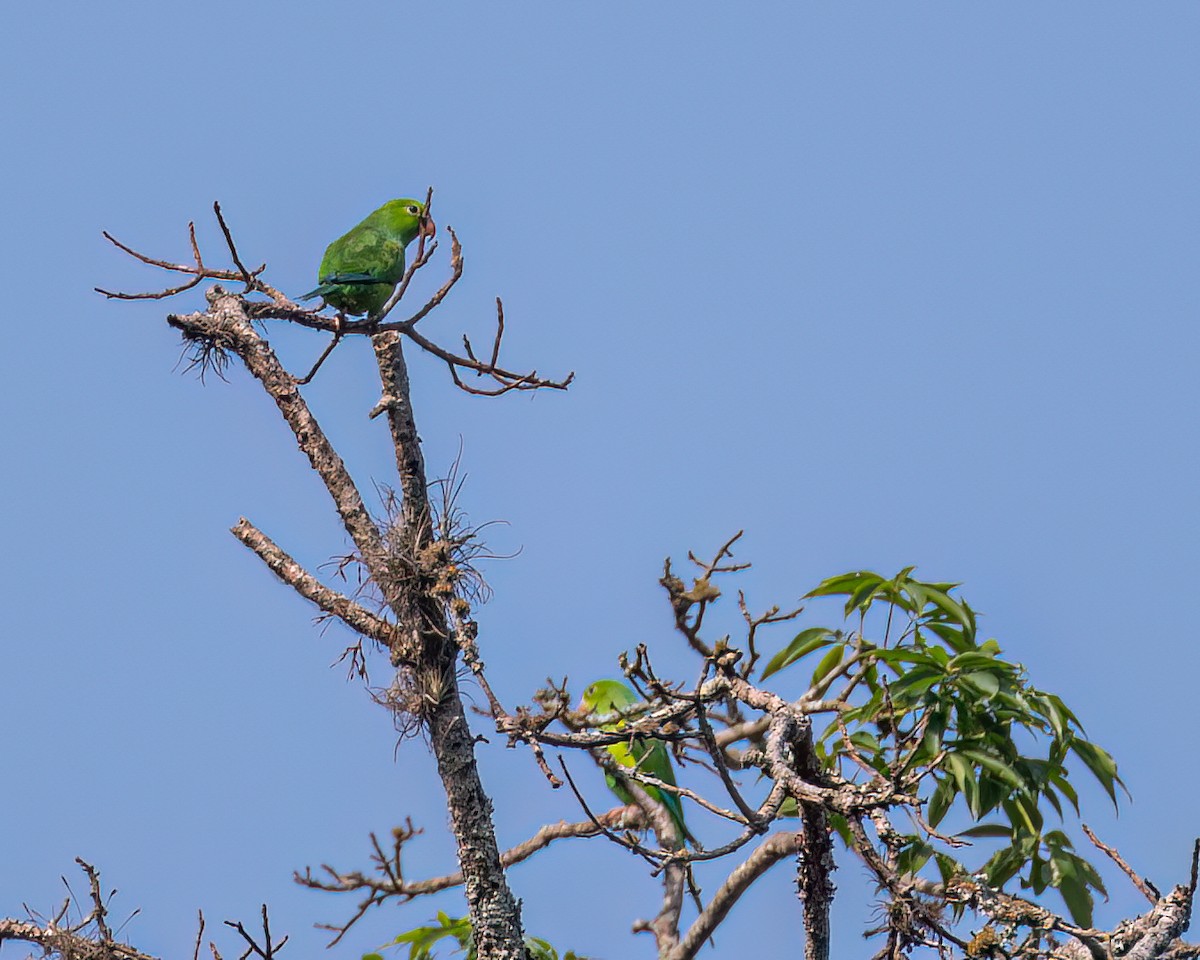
<point>506,378</point>
<point>307,378</point>
<point>247,275</point>
<point>419,260</point>
<point>625,842</point>
<point>1147,889</point>
<point>718,759</point>
<point>456,271</point>
<point>266,950</point>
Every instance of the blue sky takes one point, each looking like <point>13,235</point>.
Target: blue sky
<point>881,284</point>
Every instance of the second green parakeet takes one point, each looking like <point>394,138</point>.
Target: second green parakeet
<point>646,755</point>
<point>361,268</point>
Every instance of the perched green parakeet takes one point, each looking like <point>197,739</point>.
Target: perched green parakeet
<point>361,268</point>
<point>648,756</point>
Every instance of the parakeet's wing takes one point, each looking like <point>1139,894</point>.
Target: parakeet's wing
<point>360,269</point>
<point>651,757</point>
<point>335,280</point>
<point>365,253</point>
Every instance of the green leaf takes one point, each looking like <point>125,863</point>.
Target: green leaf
<point>865,741</point>
<point>1003,866</point>
<point>1065,787</point>
<point>828,663</point>
<point>912,857</point>
<point>1078,899</point>
<point>951,636</point>
<point>948,867</point>
<point>987,830</point>
<point>1040,874</point>
<point>985,683</point>
<point>841,828</point>
<point>899,656</point>
<point>992,792</point>
<point>805,642</point>
<point>940,801</point>
<point>1102,765</point>
<point>1024,815</point>
<point>1067,714</point>
<point>866,711</point>
<point>960,613</point>
<point>422,940</point>
<point>973,659</point>
<point>964,776</point>
<point>940,657</point>
<point>1053,800</point>
<point>863,596</point>
<point>996,766</point>
<point>914,683</point>
<point>845,583</point>
<point>539,949</point>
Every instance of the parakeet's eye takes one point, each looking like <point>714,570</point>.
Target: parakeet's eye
<point>413,209</point>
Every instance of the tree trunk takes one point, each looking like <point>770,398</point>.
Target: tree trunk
<point>494,912</point>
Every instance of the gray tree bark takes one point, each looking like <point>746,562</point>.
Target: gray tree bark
<point>495,914</point>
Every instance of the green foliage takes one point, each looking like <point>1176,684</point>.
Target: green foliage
<point>931,705</point>
<point>804,643</point>
<point>422,940</point>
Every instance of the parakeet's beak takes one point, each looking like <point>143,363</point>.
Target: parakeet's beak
<point>427,228</point>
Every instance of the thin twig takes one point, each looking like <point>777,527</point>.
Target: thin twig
<point>1147,889</point>
<point>247,275</point>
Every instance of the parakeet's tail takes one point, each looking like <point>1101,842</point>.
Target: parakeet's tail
<point>335,280</point>
<point>675,809</point>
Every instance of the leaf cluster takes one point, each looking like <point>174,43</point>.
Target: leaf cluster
<point>932,708</point>
<point>422,940</point>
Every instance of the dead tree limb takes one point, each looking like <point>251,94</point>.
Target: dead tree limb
<point>405,564</point>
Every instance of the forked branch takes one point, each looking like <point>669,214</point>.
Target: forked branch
<point>386,879</point>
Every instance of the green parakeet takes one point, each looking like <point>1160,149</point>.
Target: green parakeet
<point>361,268</point>
<point>647,756</point>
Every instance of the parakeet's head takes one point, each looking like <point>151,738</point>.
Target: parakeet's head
<point>608,696</point>
<point>409,218</point>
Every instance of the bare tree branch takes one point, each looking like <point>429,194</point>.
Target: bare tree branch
<point>91,937</point>
<point>226,323</point>
<point>1145,887</point>
<point>329,601</point>
<point>774,848</point>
